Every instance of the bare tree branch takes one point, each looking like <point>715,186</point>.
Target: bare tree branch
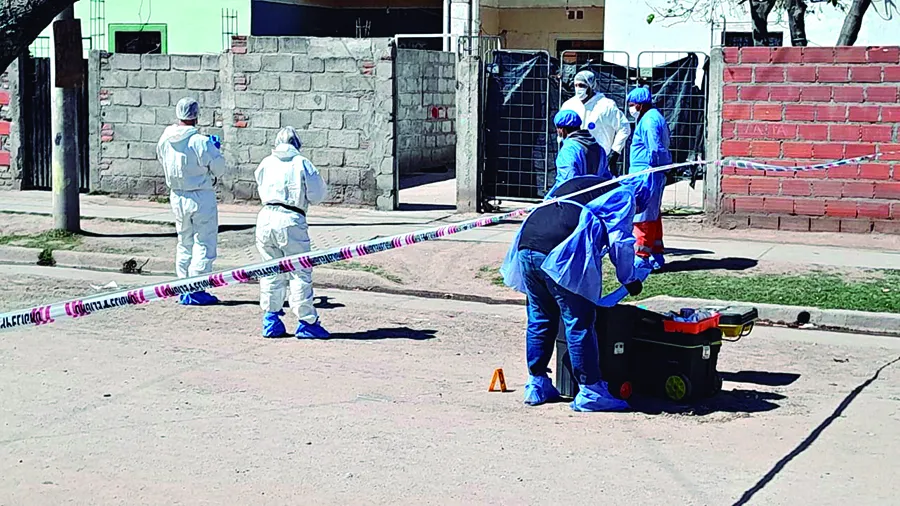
<point>853,22</point>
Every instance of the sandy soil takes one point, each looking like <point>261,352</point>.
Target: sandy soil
<point>164,404</point>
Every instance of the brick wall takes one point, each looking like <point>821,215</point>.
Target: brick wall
<point>426,110</point>
<point>799,106</point>
<point>10,175</point>
<point>338,93</point>
<point>137,100</point>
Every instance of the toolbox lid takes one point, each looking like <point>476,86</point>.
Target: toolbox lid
<point>735,315</point>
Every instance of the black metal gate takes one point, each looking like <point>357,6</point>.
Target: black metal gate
<point>38,139</point>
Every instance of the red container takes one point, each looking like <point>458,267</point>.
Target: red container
<point>691,327</point>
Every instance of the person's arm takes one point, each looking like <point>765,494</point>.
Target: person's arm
<point>623,131</point>
<point>316,189</point>
<point>209,155</point>
<point>618,217</point>
<point>656,135</point>
<point>566,165</point>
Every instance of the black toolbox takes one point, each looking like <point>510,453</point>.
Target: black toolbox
<point>637,354</point>
<point>735,322</point>
<point>615,328</point>
<point>677,365</point>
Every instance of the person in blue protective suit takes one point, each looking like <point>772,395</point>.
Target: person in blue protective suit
<point>556,261</point>
<point>580,154</point>
<point>649,148</point>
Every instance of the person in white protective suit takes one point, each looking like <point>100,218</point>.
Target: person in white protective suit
<point>288,183</point>
<point>192,162</point>
<point>599,116</point>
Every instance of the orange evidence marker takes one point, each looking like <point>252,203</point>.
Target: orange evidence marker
<point>498,376</point>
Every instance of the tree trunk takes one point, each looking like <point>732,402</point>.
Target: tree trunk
<point>853,22</point>
<point>759,14</point>
<point>21,21</point>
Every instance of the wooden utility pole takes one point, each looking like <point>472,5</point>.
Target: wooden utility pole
<point>67,76</point>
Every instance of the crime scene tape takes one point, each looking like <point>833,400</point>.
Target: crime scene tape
<point>77,308</point>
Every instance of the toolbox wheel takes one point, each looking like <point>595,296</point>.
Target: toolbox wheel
<point>678,387</point>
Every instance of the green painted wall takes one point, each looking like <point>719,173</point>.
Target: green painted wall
<point>194,26</point>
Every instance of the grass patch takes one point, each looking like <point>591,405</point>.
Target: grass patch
<point>372,269</point>
<point>49,240</point>
<point>879,293</point>
<point>491,274</point>
<point>159,199</point>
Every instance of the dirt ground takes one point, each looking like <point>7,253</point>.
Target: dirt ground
<point>165,404</point>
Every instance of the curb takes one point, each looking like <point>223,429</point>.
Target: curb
<point>840,320</point>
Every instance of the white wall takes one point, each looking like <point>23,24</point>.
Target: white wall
<point>627,29</point>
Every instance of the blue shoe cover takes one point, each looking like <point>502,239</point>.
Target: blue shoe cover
<point>198,299</point>
<point>658,262</point>
<point>311,331</point>
<point>272,325</point>
<point>596,398</point>
<point>539,389</point>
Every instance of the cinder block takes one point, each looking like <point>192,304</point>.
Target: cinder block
<point>341,65</point>
<point>247,100</point>
<point>126,97</point>
<point>327,82</point>
<point>297,119</point>
<point>304,63</point>
<point>278,101</point>
<point>141,151</point>
<point>343,139</point>
<point>125,61</point>
<point>247,63</point>
<point>114,79</point>
<point>293,45</point>
<point>145,79</point>
<point>210,99</point>
<point>172,80</point>
<point>201,80</point>
<point>265,119</point>
<point>155,98</point>
<point>296,82</point>
<point>152,133</point>
<point>211,62</point>
<point>328,158</point>
<point>310,101</point>
<point>188,63</point>
<point>343,103</point>
<point>114,114</point>
<point>263,44</point>
<point>327,120</point>
<point>314,138</point>
<point>127,132</point>
<point>116,149</point>
<point>263,82</point>
<point>277,63</point>
<point>155,62</point>
<point>250,137</point>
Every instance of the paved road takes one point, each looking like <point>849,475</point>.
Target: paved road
<point>164,404</point>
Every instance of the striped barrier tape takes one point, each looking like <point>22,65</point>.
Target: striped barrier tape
<point>75,309</point>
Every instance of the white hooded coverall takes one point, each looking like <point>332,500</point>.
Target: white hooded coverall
<point>287,177</point>
<point>600,116</point>
<point>191,161</point>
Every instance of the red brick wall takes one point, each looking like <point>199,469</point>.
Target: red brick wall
<point>800,106</point>
<point>5,126</point>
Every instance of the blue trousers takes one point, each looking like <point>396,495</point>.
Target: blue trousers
<point>547,303</point>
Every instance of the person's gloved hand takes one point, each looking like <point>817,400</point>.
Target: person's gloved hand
<point>635,287</point>
<point>613,159</point>
<point>215,140</point>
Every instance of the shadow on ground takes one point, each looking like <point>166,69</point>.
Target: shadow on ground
<point>381,334</point>
<point>728,401</point>
<point>147,235</point>
<point>770,379</point>
<point>709,264</point>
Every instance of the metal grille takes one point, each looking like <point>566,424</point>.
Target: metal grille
<point>41,47</point>
<point>98,23</point>
<point>229,27</point>
<point>36,106</point>
<point>614,77</point>
<point>517,126</point>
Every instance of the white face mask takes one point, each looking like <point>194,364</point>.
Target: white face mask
<point>634,112</point>
<point>581,93</point>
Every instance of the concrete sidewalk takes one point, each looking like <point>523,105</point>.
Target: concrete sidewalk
<point>335,227</point>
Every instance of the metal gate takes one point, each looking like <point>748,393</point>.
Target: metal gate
<point>37,137</point>
<point>517,126</point>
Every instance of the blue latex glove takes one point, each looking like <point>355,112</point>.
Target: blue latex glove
<point>216,141</point>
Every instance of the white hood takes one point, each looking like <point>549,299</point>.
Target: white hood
<point>285,152</point>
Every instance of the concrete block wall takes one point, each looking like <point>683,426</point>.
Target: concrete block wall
<point>426,110</point>
<point>338,93</point>
<point>136,99</point>
<point>799,106</point>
